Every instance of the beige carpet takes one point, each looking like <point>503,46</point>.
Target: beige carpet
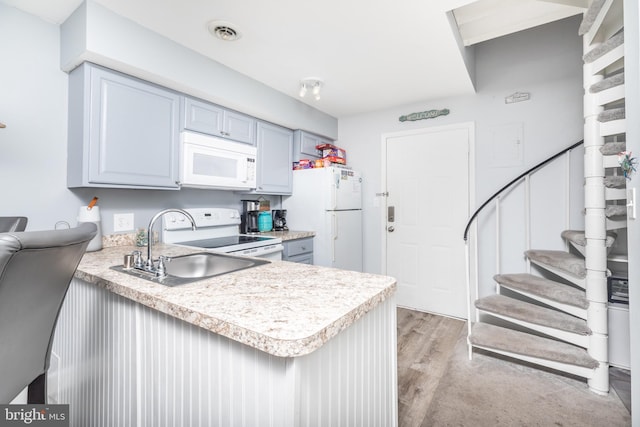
<point>487,391</point>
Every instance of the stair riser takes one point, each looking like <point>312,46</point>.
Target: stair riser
<point>609,95</point>
<point>606,60</point>
<point>615,193</point>
<point>614,127</point>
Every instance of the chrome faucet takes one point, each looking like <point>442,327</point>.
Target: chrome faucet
<point>149,266</point>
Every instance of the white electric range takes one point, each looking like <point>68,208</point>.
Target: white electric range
<point>217,230</point>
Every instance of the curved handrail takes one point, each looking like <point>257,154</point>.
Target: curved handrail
<point>513,181</point>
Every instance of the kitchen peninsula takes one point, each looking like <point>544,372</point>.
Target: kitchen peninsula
<point>282,344</point>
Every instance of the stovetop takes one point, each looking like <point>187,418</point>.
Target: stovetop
<point>217,230</point>
<point>222,242</point>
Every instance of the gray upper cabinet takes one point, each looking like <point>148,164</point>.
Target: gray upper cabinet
<point>274,169</point>
<point>304,145</point>
<point>214,120</point>
<point>123,132</point>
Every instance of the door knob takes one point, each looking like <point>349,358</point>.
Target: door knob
<point>390,229</point>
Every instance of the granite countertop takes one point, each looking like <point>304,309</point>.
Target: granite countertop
<point>290,234</point>
<point>283,308</point>
<point>130,238</point>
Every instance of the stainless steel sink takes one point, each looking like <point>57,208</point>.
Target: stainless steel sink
<point>207,264</point>
<point>190,268</point>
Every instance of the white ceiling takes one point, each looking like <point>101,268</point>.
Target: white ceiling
<point>371,54</point>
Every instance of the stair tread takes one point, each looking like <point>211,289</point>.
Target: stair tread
<point>508,340</point>
<point>531,313</point>
<point>612,114</point>
<point>544,288</point>
<point>615,211</point>
<point>606,47</point>
<point>577,237</point>
<point>565,261</point>
<point>608,83</point>
<point>615,181</point>
<point>590,16</point>
<point>612,148</point>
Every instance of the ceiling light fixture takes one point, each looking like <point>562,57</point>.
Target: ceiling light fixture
<point>223,30</point>
<point>313,84</point>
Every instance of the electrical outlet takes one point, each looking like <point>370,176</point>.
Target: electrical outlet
<point>123,222</point>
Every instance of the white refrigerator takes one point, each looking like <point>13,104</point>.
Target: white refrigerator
<point>329,202</point>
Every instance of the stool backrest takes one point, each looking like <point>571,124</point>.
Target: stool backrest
<point>36,269</point>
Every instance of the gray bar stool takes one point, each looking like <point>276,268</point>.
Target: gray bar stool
<point>36,268</point>
<point>12,223</point>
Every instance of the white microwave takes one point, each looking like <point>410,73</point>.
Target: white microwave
<point>212,162</point>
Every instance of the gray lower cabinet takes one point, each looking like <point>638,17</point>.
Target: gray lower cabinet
<point>274,167</point>
<point>214,120</point>
<point>299,250</point>
<point>123,132</point>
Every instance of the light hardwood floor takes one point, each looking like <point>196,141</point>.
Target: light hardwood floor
<point>425,344</point>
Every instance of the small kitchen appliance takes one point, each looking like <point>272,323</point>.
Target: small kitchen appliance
<point>249,219</point>
<point>279,219</point>
<point>217,231</point>
<point>211,162</point>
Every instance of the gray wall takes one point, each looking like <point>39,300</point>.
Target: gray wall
<point>34,103</point>
<point>544,61</point>
<point>34,144</point>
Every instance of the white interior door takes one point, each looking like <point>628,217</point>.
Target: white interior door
<point>427,177</point>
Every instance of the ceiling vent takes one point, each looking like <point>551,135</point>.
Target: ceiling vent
<point>223,30</point>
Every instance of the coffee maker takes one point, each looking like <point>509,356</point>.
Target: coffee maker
<point>249,216</point>
<point>279,219</point>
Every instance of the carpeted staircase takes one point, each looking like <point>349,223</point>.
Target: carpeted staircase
<point>551,313</point>
<point>558,317</point>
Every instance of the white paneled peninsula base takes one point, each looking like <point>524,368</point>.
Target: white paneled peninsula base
<point>283,344</point>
